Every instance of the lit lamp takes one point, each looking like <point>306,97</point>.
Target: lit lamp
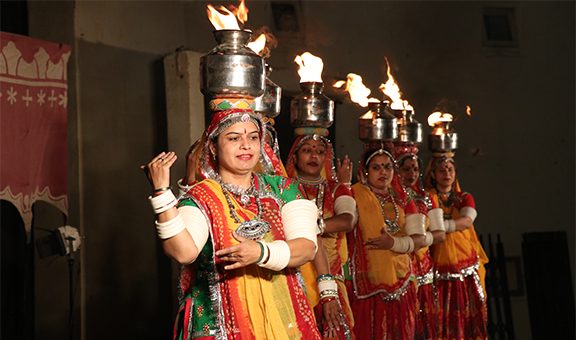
<point>311,108</point>
<point>231,69</point>
<point>378,124</point>
<point>442,138</point>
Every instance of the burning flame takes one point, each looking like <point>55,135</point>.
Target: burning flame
<point>223,18</point>
<point>392,90</point>
<point>355,87</point>
<point>468,110</point>
<point>439,117</point>
<point>258,45</point>
<point>309,67</point>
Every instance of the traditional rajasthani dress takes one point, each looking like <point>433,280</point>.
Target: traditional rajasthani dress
<point>459,263</point>
<point>247,303</point>
<point>427,318</point>
<point>385,302</point>
<point>325,192</point>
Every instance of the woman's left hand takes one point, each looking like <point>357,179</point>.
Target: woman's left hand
<point>240,255</point>
<point>332,315</point>
<point>385,241</point>
<point>344,170</point>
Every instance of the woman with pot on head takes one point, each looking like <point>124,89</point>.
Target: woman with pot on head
<point>389,229</point>
<point>240,235</point>
<point>459,260</point>
<point>409,165</point>
<point>310,161</point>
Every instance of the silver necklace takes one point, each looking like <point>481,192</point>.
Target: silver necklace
<point>256,228</point>
<point>243,193</point>
<point>391,225</point>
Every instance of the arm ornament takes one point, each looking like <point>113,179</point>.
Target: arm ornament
<point>469,212</point>
<point>450,226</point>
<point>163,202</point>
<point>415,224</point>
<point>279,255</point>
<point>346,204</point>
<point>404,244</point>
<point>436,217</point>
<point>196,224</point>
<point>429,239</point>
<point>300,220</point>
<point>182,188</point>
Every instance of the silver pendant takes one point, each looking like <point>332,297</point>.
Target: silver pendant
<point>254,229</point>
<point>244,199</point>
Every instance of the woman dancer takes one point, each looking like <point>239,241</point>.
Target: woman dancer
<point>389,229</point>
<point>311,162</point>
<point>240,235</point>
<point>459,260</point>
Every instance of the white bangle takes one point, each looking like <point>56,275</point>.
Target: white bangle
<point>469,212</point>
<point>415,224</point>
<point>300,219</point>
<point>163,202</point>
<point>346,204</point>
<point>182,188</point>
<point>428,239</point>
<point>279,256</point>
<point>327,285</point>
<point>170,228</point>
<point>436,217</point>
<point>404,244</point>
<point>450,226</point>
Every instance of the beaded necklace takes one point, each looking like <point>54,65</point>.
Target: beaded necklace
<point>391,225</point>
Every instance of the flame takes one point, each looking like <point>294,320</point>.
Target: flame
<point>309,67</point>
<point>392,90</point>
<point>439,117</point>
<point>468,110</point>
<point>258,45</point>
<point>242,12</point>
<point>355,87</point>
<point>223,18</point>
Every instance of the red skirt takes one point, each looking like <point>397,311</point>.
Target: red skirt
<point>375,318</point>
<point>463,314</point>
<point>427,318</point>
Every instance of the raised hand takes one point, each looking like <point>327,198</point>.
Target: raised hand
<point>344,170</point>
<point>158,169</point>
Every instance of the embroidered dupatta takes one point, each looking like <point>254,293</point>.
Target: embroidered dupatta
<point>250,302</point>
<point>376,270</point>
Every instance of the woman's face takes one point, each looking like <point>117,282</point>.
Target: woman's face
<point>310,158</point>
<point>445,174</point>
<point>380,172</point>
<point>409,172</point>
<point>238,148</point>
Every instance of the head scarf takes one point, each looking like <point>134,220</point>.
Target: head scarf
<point>368,155</point>
<point>206,165</point>
<point>328,171</point>
<point>437,160</point>
<point>405,151</point>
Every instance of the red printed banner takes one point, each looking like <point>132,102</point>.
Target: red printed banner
<point>33,114</point>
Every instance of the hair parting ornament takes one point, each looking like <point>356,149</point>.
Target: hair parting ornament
<point>236,117</point>
<point>404,157</point>
<point>378,153</point>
